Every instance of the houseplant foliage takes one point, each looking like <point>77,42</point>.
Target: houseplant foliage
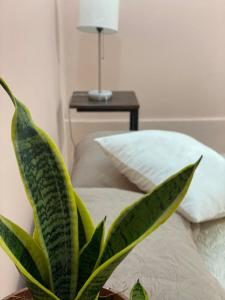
<point>138,292</point>
<point>67,257</point>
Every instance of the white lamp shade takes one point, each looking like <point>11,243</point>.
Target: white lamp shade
<point>99,14</point>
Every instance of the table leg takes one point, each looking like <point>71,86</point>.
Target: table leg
<point>134,119</point>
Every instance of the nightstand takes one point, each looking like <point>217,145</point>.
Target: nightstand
<point>121,101</point>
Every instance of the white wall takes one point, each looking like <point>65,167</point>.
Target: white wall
<point>172,53</point>
<point>29,63</point>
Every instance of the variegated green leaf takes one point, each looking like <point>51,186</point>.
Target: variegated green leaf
<point>149,212</point>
<point>27,256</point>
<point>85,223</point>
<point>38,292</point>
<point>91,288</point>
<point>81,232</point>
<point>89,254</point>
<point>51,195</point>
<point>36,237</point>
<point>24,249</point>
<point>156,208</point>
<point>138,292</point>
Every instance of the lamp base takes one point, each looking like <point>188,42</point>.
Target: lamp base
<point>99,96</point>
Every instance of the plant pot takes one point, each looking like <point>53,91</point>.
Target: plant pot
<point>25,294</point>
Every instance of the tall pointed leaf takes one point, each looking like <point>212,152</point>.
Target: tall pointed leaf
<point>138,292</point>
<point>81,232</point>
<point>27,256</point>
<point>24,249</point>
<point>39,292</point>
<point>149,212</point>
<point>85,223</point>
<point>50,192</point>
<point>36,237</point>
<point>89,254</point>
<point>159,204</point>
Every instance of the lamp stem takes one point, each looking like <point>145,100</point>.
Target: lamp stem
<point>99,29</point>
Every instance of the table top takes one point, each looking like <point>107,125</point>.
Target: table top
<point>120,101</point>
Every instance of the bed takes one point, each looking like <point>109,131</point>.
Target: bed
<point>168,263</point>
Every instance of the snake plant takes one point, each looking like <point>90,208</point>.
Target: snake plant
<point>68,258</point>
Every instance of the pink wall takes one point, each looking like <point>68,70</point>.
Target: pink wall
<point>172,53</point>
<point>29,62</point>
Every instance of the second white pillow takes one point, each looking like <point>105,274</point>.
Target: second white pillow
<point>149,157</point>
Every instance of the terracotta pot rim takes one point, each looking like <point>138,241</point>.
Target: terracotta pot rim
<point>24,294</point>
<point>17,295</point>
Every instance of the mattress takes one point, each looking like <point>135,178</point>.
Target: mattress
<point>168,262</point>
<point>92,168</point>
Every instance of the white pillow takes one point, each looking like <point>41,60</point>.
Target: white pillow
<point>149,157</point>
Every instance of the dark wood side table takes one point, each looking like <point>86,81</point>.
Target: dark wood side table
<point>122,101</point>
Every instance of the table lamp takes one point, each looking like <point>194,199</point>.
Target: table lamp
<point>99,16</point>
